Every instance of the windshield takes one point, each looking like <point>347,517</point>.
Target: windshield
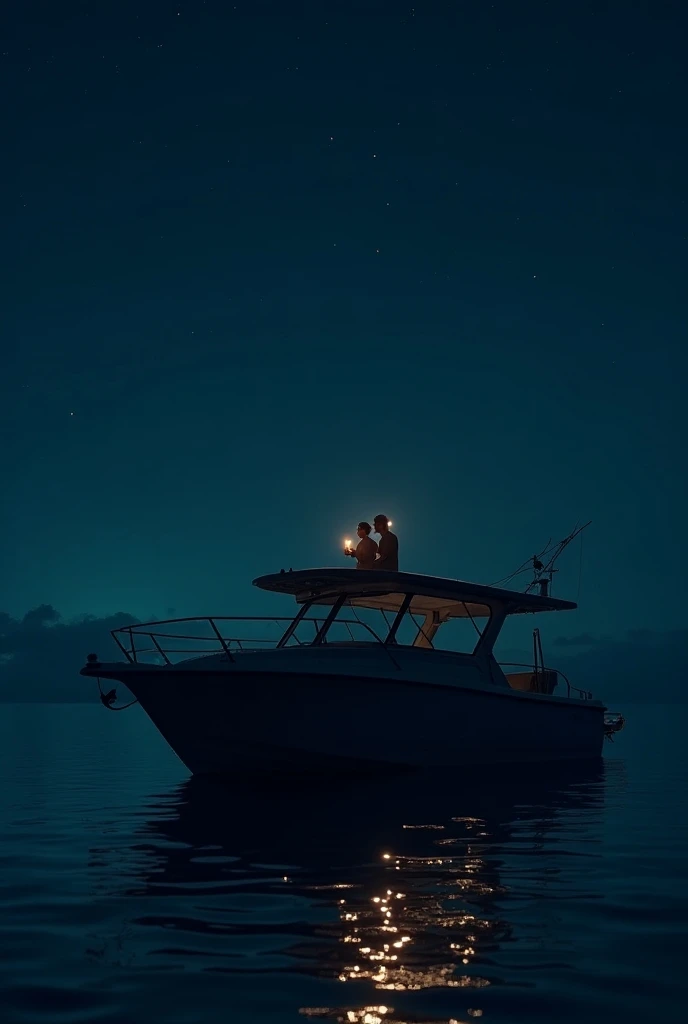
<point>424,630</point>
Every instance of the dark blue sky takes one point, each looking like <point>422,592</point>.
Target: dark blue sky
<point>276,267</point>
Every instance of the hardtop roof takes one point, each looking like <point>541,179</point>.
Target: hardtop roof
<point>370,588</point>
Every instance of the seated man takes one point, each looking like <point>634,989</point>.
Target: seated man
<point>366,549</point>
<point>388,548</point>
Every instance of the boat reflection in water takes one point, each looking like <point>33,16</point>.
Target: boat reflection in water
<point>379,890</point>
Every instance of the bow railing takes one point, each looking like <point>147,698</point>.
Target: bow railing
<point>216,634</point>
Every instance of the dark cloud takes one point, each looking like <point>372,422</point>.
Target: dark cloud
<point>644,665</point>
<point>40,656</point>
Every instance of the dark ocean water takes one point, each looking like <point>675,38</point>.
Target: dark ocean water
<point>130,893</point>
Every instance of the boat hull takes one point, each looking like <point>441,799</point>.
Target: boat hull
<point>261,723</point>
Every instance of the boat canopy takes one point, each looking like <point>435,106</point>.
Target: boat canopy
<point>431,595</point>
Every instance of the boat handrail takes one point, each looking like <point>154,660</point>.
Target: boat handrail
<point>583,694</point>
<point>207,618</point>
<point>138,629</point>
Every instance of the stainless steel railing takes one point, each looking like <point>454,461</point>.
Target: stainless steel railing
<point>134,640</point>
<point>582,694</point>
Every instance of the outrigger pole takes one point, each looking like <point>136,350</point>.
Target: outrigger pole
<point>543,564</point>
<point>544,570</point>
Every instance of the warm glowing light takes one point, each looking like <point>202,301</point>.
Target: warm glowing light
<point>389,522</point>
<point>386,856</point>
<point>347,544</point>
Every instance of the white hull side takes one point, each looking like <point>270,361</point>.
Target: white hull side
<point>235,721</point>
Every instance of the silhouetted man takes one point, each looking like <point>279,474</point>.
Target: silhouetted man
<point>388,548</point>
<point>366,549</point>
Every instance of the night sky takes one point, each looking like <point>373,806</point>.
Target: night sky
<point>271,268</point>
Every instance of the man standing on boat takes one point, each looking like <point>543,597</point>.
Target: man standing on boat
<point>366,549</point>
<point>388,548</point>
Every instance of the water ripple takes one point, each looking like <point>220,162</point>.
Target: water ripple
<point>130,892</point>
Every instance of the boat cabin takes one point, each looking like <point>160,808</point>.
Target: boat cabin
<point>357,608</point>
<point>411,609</point>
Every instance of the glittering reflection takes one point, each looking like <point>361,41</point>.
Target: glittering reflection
<point>380,893</point>
<point>423,932</point>
<point>363,1015</point>
<point>381,1014</point>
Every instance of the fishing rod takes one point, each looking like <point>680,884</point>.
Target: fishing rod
<point>544,565</point>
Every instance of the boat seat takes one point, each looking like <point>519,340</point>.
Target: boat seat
<point>533,682</point>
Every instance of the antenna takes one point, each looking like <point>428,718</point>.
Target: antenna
<point>544,564</point>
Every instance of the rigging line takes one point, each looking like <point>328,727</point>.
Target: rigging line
<point>580,567</point>
<point>421,630</point>
<point>371,630</point>
<point>361,622</point>
<point>522,568</point>
<point>475,624</point>
<point>524,565</point>
<point>511,576</point>
<point>559,548</point>
<point>516,572</point>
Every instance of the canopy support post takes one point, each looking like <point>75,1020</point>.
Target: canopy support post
<point>287,635</point>
<point>498,614</point>
<point>398,619</point>
<point>334,611</point>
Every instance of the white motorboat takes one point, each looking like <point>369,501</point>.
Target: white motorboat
<point>333,691</point>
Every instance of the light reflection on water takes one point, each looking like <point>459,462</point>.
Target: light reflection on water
<point>511,896</point>
<point>411,905</point>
